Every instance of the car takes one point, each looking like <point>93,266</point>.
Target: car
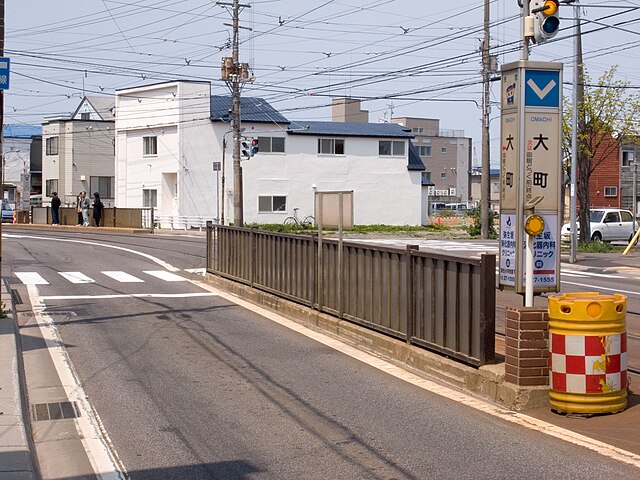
<point>607,225</point>
<point>7,212</point>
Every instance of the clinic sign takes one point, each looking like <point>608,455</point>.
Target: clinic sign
<point>530,168</point>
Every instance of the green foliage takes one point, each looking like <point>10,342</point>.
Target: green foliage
<point>3,311</point>
<point>475,225</point>
<point>279,227</point>
<point>397,228</point>
<point>598,247</point>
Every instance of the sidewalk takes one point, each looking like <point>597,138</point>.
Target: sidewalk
<point>16,460</point>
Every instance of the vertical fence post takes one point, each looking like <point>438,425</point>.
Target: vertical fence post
<point>115,223</point>
<point>252,256</point>
<point>411,318</point>
<point>313,268</point>
<point>487,309</point>
<point>209,228</point>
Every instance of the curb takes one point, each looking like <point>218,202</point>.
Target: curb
<point>486,382</point>
<point>17,461</point>
<point>74,228</point>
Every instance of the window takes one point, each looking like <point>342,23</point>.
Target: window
<point>85,116</point>
<point>610,191</point>
<point>443,175</point>
<point>626,216</point>
<point>426,178</point>
<point>270,204</point>
<point>51,146</point>
<point>271,144</point>
<point>102,185</point>
<point>149,198</point>
<point>330,146</point>
<point>149,145</point>
<point>417,130</point>
<point>612,217</point>
<point>51,186</point>
<point>627,158</point>
<point>424,150</point>
<point>443,150</point>
<point>388,148</point>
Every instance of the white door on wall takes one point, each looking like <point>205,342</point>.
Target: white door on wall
<point>169,194</point>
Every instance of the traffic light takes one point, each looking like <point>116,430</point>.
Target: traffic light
<point>546,19</point>
<point>254,146</point>
<point>246,147</point>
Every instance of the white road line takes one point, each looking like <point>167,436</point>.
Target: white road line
<point>590,274</point>
<point>94,438</point>
<point>162,263</point>
<point>166,276</point>
<point>128,295</point>
<point>76,277</point>
<point>596,288</point>
<point>31,278</point>
<point>441,390</point>
<point>122,277</point>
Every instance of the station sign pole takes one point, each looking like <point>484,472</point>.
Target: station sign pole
<point>530,177</point>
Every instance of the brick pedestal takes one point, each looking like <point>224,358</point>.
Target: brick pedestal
<point>527,346</point>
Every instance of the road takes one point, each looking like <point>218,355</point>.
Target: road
<point>190,385</point>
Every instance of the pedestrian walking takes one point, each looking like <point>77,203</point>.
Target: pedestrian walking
<point>79,209</point>
<point>55,209</point>
<point>84,204</point>
<point>98,208</point>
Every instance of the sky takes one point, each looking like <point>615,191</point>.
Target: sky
<point>416,58</point>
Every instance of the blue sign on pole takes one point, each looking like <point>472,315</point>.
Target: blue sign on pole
<point>4,73</point>
<point>542,88</point>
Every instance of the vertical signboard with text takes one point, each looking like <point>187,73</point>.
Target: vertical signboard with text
<point>530,168</point>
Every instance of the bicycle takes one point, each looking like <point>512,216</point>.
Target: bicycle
<point>308,221</point>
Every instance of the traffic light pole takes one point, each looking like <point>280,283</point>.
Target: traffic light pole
<point>238,217</point>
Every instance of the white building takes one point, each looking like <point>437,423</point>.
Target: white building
<point>78,152</point>
<point>169,135</point>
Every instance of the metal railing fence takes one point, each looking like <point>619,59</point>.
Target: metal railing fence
<point>441,302</point>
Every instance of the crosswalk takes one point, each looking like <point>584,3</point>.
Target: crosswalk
<point>35,278</point>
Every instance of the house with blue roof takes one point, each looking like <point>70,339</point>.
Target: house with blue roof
<point>174,154</point>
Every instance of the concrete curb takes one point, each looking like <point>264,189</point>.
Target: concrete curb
<point>73,228</point>
<point>486,382</point>
<point>16,458</point>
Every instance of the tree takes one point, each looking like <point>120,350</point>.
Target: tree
<point>608,114</point>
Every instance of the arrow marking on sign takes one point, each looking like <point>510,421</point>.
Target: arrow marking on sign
<point>545,91</point>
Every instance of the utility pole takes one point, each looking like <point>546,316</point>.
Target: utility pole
<point>485,179</point>
<point>235,74</point>
<point>577,102</point>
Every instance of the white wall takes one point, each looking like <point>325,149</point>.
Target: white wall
<point>384,190</point>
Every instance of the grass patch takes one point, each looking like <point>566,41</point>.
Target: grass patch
<point>598,247</point>
<point>363,229</point>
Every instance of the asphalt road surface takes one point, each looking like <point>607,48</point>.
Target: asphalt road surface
<point>192,386</point>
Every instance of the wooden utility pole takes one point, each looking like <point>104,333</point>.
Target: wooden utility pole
<point>485,179</point>
<point>238,214</point>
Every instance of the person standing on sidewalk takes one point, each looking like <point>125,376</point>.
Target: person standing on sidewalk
<point>84,204</point>
<point>55,209</point>
<point>98,206</point>
<point>79,208</point>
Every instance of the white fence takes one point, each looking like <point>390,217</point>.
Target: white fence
<point>174,222</point>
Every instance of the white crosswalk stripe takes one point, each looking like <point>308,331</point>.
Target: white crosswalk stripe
<point>31,278</point>
<point>77,277</point>
<point>166,276</point>
<point>122,277</point>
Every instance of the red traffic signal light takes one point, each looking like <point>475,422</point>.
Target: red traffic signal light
<point>254,146</point>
